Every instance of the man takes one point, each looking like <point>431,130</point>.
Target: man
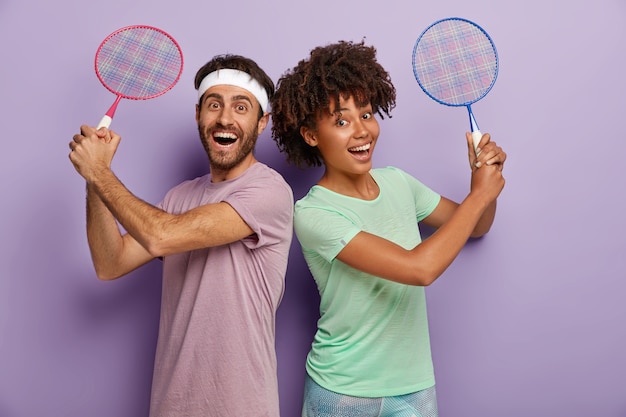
<point>224,239</point>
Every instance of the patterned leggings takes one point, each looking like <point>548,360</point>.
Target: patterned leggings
<point>320,402</point>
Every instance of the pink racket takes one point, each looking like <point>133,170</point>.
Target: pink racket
<point>137,62</point>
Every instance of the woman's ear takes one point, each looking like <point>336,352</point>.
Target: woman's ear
<point>309,136</point>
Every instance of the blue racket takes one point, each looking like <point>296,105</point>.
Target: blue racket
<point>455,62</point>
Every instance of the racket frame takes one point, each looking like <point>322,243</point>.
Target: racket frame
<point>474,129</point>
<point>108,116</point>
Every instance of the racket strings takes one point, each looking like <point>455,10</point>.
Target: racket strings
<point>139,63</point>
<point>455,62</point>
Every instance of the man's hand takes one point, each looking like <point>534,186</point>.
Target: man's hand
<point>92,151</point>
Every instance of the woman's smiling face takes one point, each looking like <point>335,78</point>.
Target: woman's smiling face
<point>346,137</point>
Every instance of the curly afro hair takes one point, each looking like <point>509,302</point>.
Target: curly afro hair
<point>343,69</point>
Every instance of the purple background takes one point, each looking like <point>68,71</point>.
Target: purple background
<point>528,320</point>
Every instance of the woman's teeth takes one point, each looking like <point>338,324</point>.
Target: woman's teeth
<point>360,148</point>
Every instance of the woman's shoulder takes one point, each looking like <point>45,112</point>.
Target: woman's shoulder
<point>391,173</point>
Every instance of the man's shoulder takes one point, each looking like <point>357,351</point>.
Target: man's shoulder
<point>191,184</point>
<point>261,168</point>
<point>267,176</point>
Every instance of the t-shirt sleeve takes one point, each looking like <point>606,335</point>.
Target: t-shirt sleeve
<point>328,231</point>
<point>426,200</point>
<point>266,205</point>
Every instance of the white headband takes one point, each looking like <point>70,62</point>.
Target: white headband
<point>238,79</point>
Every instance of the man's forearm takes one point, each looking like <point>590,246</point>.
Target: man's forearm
<point>103,234</point>
<point>139,218</point>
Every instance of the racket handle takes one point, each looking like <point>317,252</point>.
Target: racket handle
<point>108,117</point>
<point>476,137</point>
<point>105,122</point>
<point>476,134</point>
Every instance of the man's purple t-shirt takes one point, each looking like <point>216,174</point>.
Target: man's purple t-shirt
<point>216,347</point>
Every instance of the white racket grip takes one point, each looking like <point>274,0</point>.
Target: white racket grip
<point>105,122</point>
<point>476,137</point>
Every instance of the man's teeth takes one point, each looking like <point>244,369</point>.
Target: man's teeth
<point>360,148</point>
<point>225,135</point>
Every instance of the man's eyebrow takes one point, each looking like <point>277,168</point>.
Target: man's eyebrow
<point>242,97</point>
<point>237,97</point>
<point>213,95</point>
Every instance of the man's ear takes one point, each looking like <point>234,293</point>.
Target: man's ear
<point>262,123</point>
<point>309,136</point>
<point>197,113</point>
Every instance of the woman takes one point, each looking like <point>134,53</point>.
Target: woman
<point>358,229</point>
